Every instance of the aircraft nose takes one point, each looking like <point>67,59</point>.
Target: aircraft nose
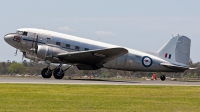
<point>13,40</point>
<point>8,38</point>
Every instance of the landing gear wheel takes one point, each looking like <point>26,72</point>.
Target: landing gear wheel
<point>45,74</point>
<point>57,74</point>
<point>162,77</point>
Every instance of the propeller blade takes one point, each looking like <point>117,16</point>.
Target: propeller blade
<point>36,44</point>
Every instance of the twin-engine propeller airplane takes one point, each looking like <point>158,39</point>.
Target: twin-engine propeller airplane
<point>85,54</point>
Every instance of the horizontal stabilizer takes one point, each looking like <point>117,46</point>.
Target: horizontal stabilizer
<point>93,57</point>
<point>172,66</point>
<point>193,68</point>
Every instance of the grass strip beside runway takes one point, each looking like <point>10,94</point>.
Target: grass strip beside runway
<point>88,98</point>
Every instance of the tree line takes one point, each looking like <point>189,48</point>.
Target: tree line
<point>31,68</point>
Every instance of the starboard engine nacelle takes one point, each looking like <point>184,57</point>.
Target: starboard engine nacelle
<point>44,51</point>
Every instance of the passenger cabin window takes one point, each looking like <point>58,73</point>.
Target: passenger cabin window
<point>77,47</point>
<point>86,49</point>
<point>67,46</point>
<point>57,43</point>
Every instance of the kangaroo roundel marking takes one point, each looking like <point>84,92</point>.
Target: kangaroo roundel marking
<point>146,61</point>
<point>17,39</point>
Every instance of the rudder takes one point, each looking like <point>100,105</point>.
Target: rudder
<point>176,51</point>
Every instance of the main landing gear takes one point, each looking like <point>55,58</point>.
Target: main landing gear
<point>58,73</point>
<point>46,73</point>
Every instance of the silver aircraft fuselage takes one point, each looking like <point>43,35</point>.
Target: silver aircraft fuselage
<point>28,39</point>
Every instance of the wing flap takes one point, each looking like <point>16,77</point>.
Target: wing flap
<point>93,57</point>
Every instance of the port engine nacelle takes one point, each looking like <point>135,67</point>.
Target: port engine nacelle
<point>44,51</point>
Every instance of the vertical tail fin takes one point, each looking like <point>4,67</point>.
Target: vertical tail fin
<point>176,51</point>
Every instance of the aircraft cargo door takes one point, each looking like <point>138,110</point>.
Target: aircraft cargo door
<point>121,60</point>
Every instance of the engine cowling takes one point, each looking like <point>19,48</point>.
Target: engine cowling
<point>30,55</point>
<point>45,51</point>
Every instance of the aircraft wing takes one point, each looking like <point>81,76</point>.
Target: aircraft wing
<point>172,66</point>
<point>92,57</point>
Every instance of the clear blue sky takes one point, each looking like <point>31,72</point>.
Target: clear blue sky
<point>142,25</point>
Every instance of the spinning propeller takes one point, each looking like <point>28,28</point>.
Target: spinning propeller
<point>36,44</point>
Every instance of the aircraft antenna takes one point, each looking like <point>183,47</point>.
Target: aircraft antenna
<point>45,28</point>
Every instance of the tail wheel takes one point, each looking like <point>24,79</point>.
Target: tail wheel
<point>162,77</point>
<point>57,74</point>
<point>45,73</point>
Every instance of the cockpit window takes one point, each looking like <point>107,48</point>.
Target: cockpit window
<point>19,32</point>
<point>22,33</point>
<point>25,33</point>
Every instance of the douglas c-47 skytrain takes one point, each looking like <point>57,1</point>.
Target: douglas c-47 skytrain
<point>85,54</point>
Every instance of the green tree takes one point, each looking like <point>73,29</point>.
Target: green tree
<point>16,68</point>
<point>105,74</point>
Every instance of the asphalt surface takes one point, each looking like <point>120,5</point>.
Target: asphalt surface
<point>94,81</point>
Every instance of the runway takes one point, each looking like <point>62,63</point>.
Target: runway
<point>94,82</point>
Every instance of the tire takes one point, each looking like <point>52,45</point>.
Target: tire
<point>57,75</point>
<point>162,77</point>
<point>44,73</point>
